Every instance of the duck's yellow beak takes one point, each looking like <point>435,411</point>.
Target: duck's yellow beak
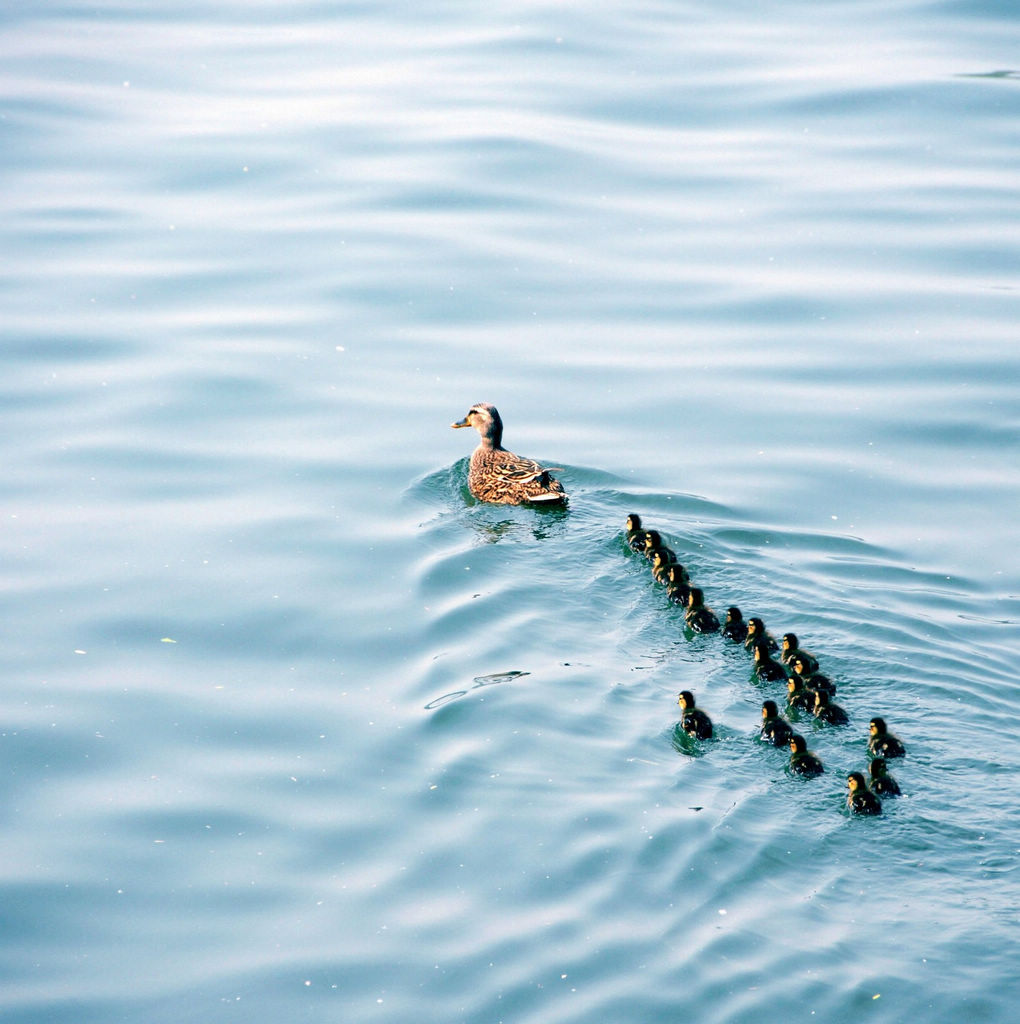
<point>461,423</point>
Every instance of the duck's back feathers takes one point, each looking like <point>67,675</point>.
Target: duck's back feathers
<point>500,476</point>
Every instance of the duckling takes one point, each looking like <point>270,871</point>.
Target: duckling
<point>766,668</point>
<point>860,799</point>
<point>814,680</point>
<point>694,720</point>
<point>756,631</point>
<point>802,761</point>
<point>676,574</point>
<point>698,617</point>
<point>798,695</point>
<point>498,475</point>
<point>882,742</point>
<point>661,563</point>
<point>735,628</point>
<point>882,783</point>
<point>774,730</point>
<point>653,543</point>
<point>791,649</point>
<point>832,714</point>
<point>678,584</point>
<point>635,533</point>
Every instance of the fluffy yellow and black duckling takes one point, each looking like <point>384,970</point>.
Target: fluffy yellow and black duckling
<point>798,695</point>
<point>774,729</point>
<point>882,783</point>
<point>735,628</point>
<point>812,680</point>
<point>766,668</point>
<point>699,618</point>
<point>678,585</point>
<point>882,742</point>
<point>860,799</point>
<point>653,543</point>
<point>825,711</point>
<point>756,631</point>
<point>802,761</point>
<point>661,564</point>
<point>694,721</point>
<point>791,649</point>
<point>635,533</point>
<point>500,476</point>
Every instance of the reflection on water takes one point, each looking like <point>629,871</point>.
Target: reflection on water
<point>477,683</point>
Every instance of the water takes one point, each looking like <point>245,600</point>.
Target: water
<point>294,729</point>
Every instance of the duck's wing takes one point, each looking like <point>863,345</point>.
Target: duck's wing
<point>523,471</point>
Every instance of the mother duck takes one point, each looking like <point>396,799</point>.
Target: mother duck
<point>499,475</point>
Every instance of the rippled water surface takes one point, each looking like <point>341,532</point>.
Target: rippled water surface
<point>293,728</point>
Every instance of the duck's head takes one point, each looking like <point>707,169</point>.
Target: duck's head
<point>821,699</point>
<point>877,727</point>
<point>653,540</point>
<point>677,573</point>
<point>696,598</point>
<point>769,710</point>
<point>855,782</point>
<point>686,700</point>
<point>755,625</point>
<point>633,520</point>
<point>794,684</point>
<point>878,768</point>
<point>789,642</point>
<point>734,614</point>
<point>799,667</point>
<point>660,559</point>
<point>485,419</point>
<point>797,744</point>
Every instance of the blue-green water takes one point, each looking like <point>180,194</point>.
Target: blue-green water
<point>292,729</point>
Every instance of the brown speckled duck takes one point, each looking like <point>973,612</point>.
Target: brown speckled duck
<point>499,475</point>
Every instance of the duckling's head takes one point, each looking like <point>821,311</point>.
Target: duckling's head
<point>677,573</point>
<point>660,559</point>
<point>821,699</point>
<point>794,684</point>
<point>755,625</point>
<point>877,727</point>
<point>798,744</point>
<point>798,665</point>
<point>855,782</point>
<point>633,520</point>
<point>878,768</point>
<point>686,700</point>
<point>485,419</point>
<point>790,642</point>
<point>696,598</point>
<point>653,540</point>
<point>734,614</point>
<point>769,710</point>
